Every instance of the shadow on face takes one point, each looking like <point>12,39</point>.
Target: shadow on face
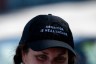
<point>47,56</point>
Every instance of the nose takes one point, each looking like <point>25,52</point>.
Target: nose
<point>48,62</point>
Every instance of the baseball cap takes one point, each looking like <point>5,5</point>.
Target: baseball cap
<point>47,31</point>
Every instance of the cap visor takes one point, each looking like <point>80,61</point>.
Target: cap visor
<point>44,44</point>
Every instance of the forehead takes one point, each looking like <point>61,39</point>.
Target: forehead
<point>57,51</point>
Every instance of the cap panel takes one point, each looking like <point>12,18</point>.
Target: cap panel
<point>47,27</point>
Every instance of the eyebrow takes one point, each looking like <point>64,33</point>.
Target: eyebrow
<point>62,52</point>
<point>45,52</point>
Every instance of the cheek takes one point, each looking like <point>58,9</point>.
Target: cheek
<point>67,58</point>
<point>31,60</point>
<point>66,62</point>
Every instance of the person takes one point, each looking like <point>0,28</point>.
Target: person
<point>46,39</point>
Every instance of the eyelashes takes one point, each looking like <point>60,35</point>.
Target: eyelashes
<point>41,57</point>
<point>58,60</point>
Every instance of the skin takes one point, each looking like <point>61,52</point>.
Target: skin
<point>48,56</point>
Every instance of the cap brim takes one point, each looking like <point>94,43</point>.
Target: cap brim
<point>44,44</point>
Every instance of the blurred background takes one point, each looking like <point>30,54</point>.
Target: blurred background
<point>80,14</point>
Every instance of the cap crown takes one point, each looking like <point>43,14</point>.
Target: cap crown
<point>44,27</point>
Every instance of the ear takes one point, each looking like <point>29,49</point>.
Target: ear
<point>24,56</point>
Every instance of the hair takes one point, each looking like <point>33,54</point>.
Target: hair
<point>18,55</point>
<point>23,47</point>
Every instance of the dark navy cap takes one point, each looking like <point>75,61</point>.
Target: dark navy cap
<point>47,31</point>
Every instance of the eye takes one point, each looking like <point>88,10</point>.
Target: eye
<point>42,57</point>
<point>60,59</point>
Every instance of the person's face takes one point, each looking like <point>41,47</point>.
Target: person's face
<point>48,56</point>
